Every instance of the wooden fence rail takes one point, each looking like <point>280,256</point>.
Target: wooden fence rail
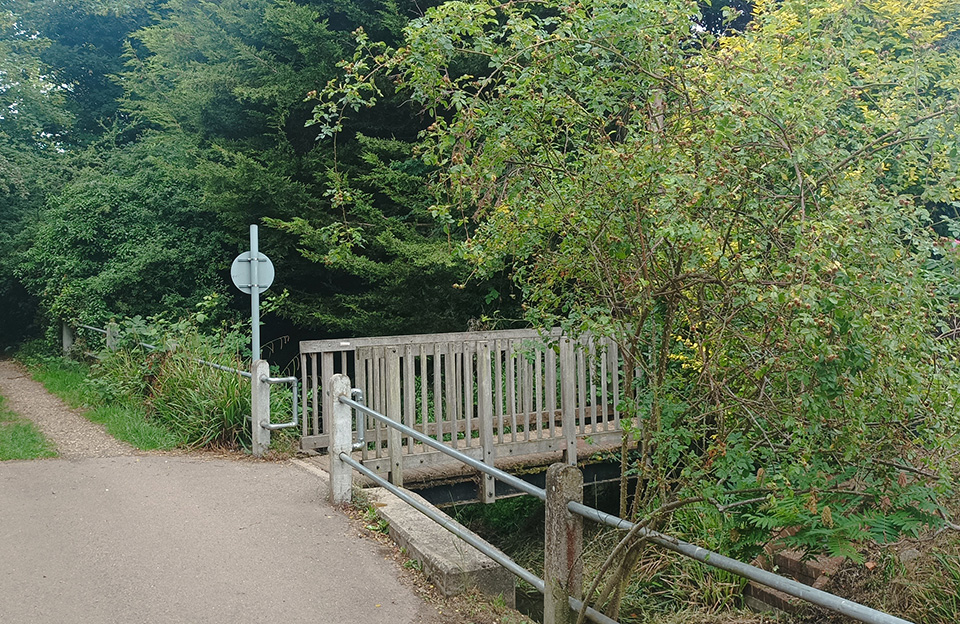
<point>490,394</point>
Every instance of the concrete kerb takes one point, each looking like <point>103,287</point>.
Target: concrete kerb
<point>453,565</point>
<point>450,563</point>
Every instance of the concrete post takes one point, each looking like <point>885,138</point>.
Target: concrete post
<point>563,543</point>
<point>341,440</point>
<point>394,439</point>
<point>67,337</point>
<point>113,336</point>
<point>259,407</point>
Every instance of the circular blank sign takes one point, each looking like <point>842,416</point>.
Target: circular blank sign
<point>240,272</point>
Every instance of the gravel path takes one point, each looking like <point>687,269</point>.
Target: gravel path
<point>74,436</point>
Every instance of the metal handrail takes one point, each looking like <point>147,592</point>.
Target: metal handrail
<point>788,586</point>
<point>151,347</point>
<point>296,395</point>
<point>471,538</point>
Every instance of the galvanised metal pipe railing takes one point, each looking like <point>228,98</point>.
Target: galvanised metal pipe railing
<point>96,329</point>
<point>504,477</point>
<point>357,395</point>
<point>469,537</point>
<point>788,586</point>
<point>198,360</point>
<point>296,395</point>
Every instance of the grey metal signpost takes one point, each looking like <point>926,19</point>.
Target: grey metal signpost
<point>253,273</point>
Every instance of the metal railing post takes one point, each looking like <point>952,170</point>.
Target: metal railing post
<point>259,406</point>
<point>563,543</point>
<point>341,440</point>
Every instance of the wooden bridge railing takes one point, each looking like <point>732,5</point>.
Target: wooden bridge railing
<point>489,394</point>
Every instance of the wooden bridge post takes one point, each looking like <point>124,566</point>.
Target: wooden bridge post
<point>487,440</point>
<point>568,398</point>
<point>394,438</point>
<point>341,439</point>
<point>259,407</point>
<point>563,544</point>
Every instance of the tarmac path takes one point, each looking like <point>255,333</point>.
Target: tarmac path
<point>104,535</point>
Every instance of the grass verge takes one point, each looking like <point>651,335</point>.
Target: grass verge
<point>20,438</point>
<point>125,421</point>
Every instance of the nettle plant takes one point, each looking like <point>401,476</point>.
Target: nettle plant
<point>752,217</point>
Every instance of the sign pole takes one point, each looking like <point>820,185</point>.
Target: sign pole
<point>253,272</point>
<point>254,293</point>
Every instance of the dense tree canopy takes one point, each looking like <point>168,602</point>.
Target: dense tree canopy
<point>32,124</point>
<point>212,95</point>
<point>125,236</point>
<point>750,216</point>
<point>343,227</point>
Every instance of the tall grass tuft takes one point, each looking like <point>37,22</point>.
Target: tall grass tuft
<point>124,417</point>
<point>200,405</point>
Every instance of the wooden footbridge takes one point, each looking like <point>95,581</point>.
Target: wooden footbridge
<point>504,397</point>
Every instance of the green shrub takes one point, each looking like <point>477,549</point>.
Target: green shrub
<point>201,405</point>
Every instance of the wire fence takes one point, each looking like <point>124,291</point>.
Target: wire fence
<point>114,334</point>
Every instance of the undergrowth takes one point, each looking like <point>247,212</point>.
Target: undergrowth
<point>201,405</point>
<point>915,578</point>
<point>663,587</point>
<point>163,395</point>
<point>126,420</point>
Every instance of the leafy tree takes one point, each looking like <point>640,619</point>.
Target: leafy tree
<point>386,256</point>
<point>128,235</point>
<point>749,217</point>
<point>32,123</point>
<point>347,222</point>
<point>84,54</point>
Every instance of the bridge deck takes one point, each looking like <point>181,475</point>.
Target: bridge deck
<point>456,482</point>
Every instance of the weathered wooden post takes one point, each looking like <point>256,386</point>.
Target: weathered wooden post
<point>487,440</point>
<point>394,439</point>
<point>563,543</point>
<point>113,336</point>
<point>259,406</point>
<point>341,440</point>
<point>568,398</point>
